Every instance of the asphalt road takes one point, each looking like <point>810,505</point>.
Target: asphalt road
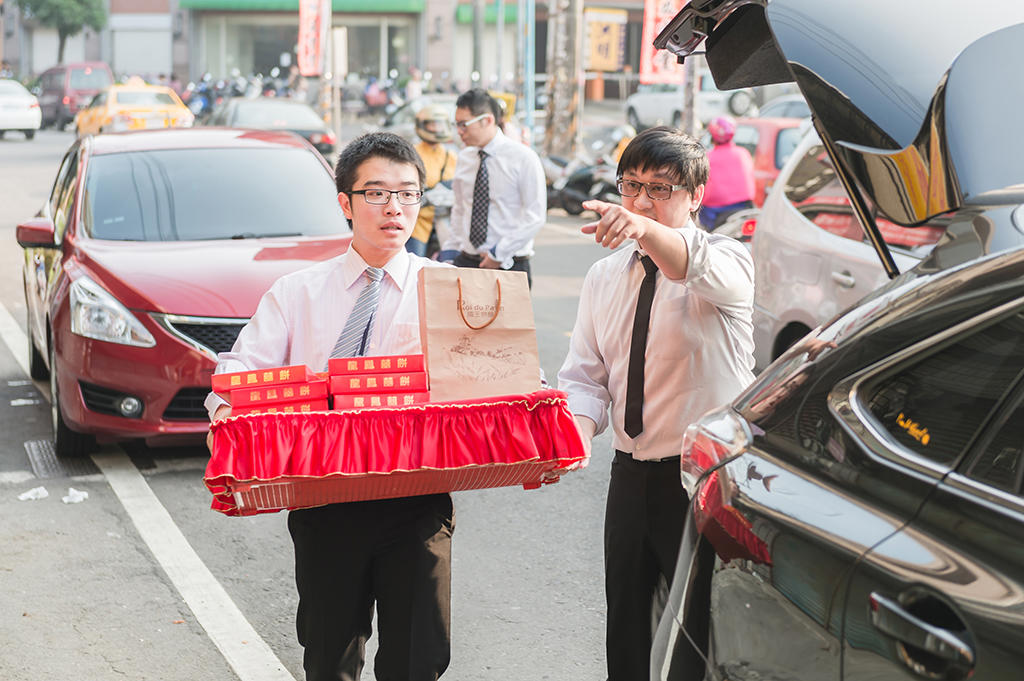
<point>115,586</point>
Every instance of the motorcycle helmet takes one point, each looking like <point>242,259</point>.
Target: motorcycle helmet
<point>722,129</point>
<point>433,124</point>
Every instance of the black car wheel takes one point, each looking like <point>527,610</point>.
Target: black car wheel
<point>30,134</point>
<point>571,201</point>
<point>66,442</point>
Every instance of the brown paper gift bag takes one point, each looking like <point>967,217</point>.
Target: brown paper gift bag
<point>478,334</point>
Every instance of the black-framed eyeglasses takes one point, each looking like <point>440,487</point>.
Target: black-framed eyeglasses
<point>382,197</point>
<point>656,191</point>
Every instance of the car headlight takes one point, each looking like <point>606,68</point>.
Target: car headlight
<point>97,314</point>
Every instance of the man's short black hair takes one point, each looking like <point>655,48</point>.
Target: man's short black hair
<point>665,148</point>
<point>478,101</point>
<point>374,145</point>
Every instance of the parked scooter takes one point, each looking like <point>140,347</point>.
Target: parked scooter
<point>597,179</point>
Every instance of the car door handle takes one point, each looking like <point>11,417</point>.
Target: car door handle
<point>889,617</point>
<point>844,279</point>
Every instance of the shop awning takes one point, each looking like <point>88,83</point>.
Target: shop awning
<point>340,6</point>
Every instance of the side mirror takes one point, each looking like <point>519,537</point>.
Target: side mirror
<point>36,233</point>
<point>36,90</point>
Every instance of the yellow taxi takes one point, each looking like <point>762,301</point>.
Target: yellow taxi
<point>133,106</point>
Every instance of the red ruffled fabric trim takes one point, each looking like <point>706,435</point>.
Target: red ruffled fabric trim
<point>262,463</point>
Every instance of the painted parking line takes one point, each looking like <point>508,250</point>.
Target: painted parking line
<point>247,653</point>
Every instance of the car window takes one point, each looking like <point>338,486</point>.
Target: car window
<point>88,78</point>
<point>266,115</point>
<point>816,193</point>
<point>98,100</point>
<point>143,98</point>
<point>746,136</point>
<point>1000,461</point>
<point>936,405</point>
<point>785,145</point>
<point>63,199</point>
<point>195,194</point>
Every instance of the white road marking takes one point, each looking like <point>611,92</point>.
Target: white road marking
<point>25,403</point>
<point>247,653</point>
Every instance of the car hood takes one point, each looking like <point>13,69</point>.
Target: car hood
<point>200,278</point>
<point>904,94</point>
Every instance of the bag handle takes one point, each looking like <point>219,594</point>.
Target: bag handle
<point>497,307</point>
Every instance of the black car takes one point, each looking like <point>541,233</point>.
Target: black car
<point>858,512</point>
<point>271,113</point>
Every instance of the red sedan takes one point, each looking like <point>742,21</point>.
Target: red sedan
<point>149,257</point>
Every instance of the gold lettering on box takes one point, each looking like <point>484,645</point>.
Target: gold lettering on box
<point>404,381</point>
<point>353,365</point>
<point>236,380</point>
<point>389,381</point>
<point>289,409</point>
<point>353,383</point>
<point>268,375</point>
<point>285,374</point>
<point>392,400</point>
<point>304,391</point>
<point>288,392</point>
<point>402,362</point>
<point>369,365</point>
<point>254,396</point>
<point>375,401</point>
<point>385,364</point>
<point>409,399</point>
<point>252,378</point>
<point>304,407</point>
<point>371,382</point>
<point>359,402</point>
<point>271,394</point>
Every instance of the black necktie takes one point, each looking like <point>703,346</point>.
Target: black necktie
<point>481,197</point>
<point>634,419</point>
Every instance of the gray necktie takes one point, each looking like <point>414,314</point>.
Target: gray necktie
<point>481,199</point>
<point>353,338</point>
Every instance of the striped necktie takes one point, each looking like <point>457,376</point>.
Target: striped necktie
<point>354,337</point>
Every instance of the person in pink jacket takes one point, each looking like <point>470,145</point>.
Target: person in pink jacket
<point>731,178</point>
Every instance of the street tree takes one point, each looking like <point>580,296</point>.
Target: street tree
<point>69,17</point>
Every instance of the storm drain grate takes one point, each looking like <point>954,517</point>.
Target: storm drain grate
<point>45,463</point>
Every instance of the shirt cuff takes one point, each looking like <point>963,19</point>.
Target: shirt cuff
<point>213,403</point>
<point>591,407</point>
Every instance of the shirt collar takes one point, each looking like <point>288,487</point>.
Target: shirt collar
<point>638,252</point>
<point>353,266</point>
<point>496,141</point>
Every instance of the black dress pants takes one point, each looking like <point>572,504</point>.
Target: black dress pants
<point>392,552</point>
<point>519,264</point>
<point>643,528</point>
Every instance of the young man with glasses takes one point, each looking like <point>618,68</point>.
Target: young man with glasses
<point>663,334</point>
<point>392,555</point>
<point>500,192</point>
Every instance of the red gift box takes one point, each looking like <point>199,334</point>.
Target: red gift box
<point>263,463</point>
<point>296,407</point>
<point>384,364</point>
<point>379,383</point>
<point>363,401</point>
<point>289,392</point>
<point>225,383</point>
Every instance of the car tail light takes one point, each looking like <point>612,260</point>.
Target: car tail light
<point>329,138</point>
<point>66,100</point>
<point>747,230</point>
<point>719,435</point>
<point>34,105</point>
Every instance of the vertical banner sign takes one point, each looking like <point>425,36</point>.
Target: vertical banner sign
<point>313,24</point>
<point>658,66</point>
<point>604,46</point>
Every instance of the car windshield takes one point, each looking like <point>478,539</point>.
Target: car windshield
<point>269,115</point>
<point>10,88</point>
<point>198,194</point>
<point>89,79</point>
<point>144,98</point>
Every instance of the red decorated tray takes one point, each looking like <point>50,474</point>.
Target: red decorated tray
<point>263,463</point>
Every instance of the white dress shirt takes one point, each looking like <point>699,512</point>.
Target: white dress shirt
<point>699,345</point>
<point>518,205</point>
<point>300,318</point>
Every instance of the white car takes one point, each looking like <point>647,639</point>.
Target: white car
<point>811,258</point>
<point>662,104</point>
<point>19,109</point>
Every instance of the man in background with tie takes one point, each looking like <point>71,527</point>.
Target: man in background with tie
<point>500,192</point>
<point>662,335</point>
<point>392,554</point>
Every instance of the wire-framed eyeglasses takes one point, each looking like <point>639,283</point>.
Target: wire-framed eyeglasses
<point>462,125</point>
<point>381,197</point>
<point>656,191</point>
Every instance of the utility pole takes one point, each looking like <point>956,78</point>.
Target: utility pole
<point>689,122</point>
<point>565,26</point>
<point>478,39</point>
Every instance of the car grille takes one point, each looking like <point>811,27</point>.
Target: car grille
<point>99,399</point>
<point>211,335</point>
<point>187,405</point>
